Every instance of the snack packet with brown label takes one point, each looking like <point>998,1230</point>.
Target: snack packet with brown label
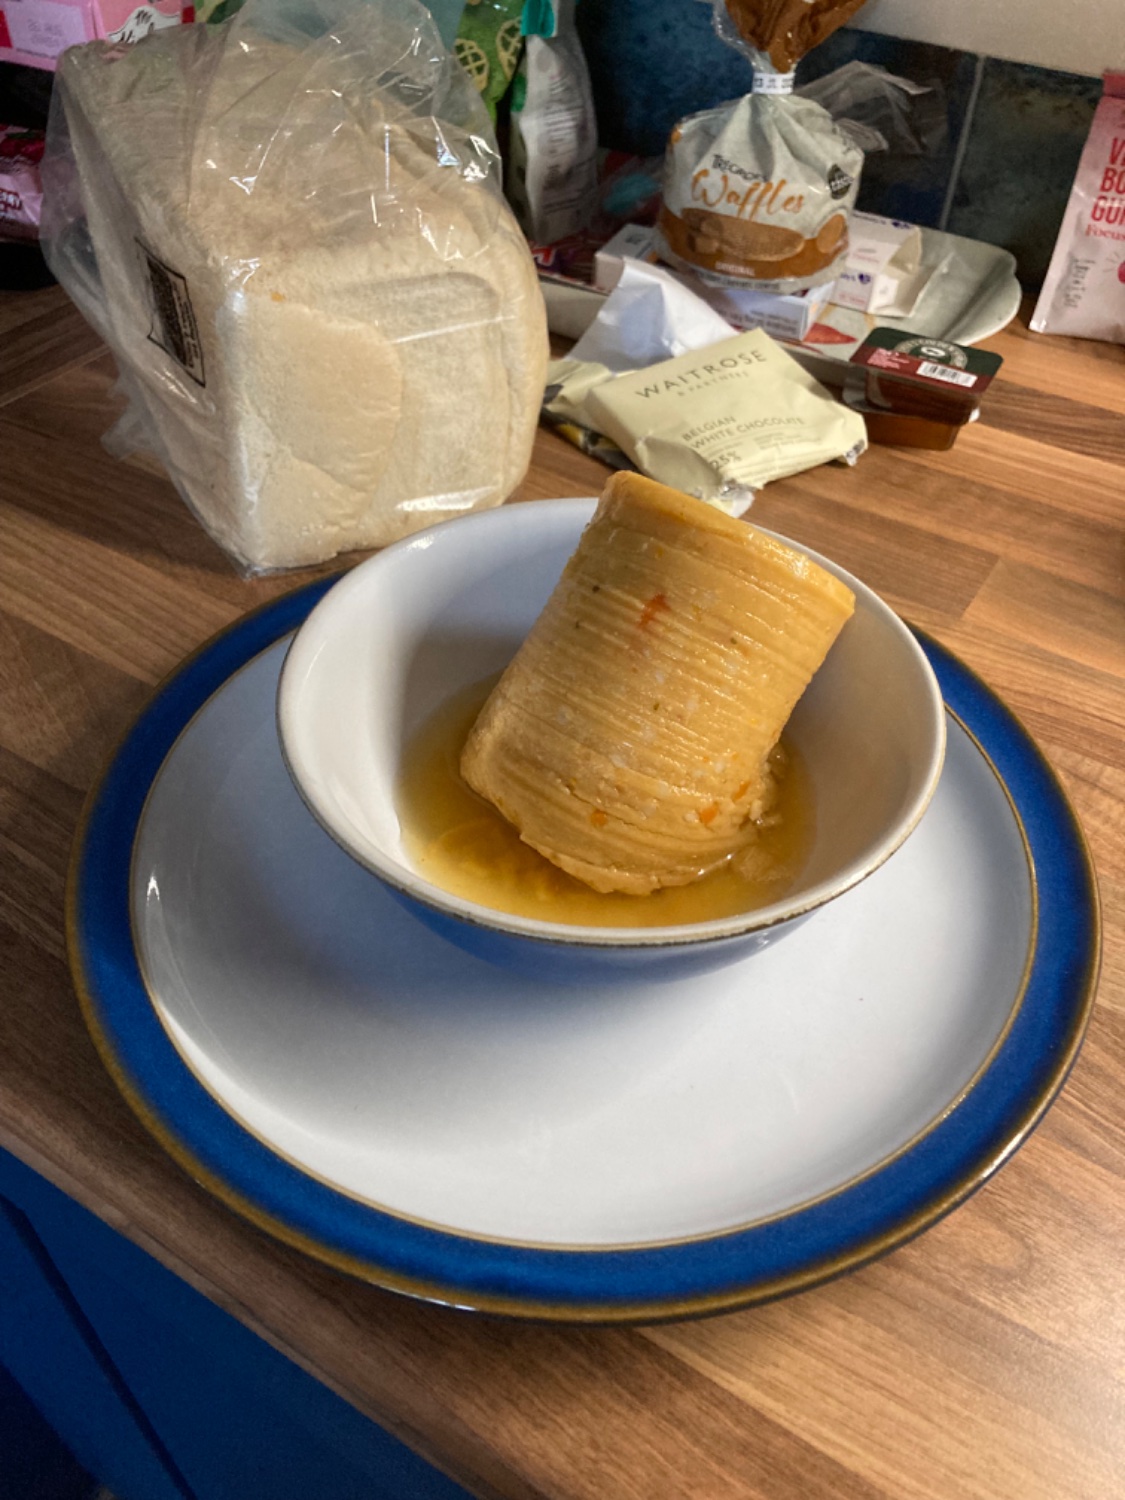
<point>759,190</point>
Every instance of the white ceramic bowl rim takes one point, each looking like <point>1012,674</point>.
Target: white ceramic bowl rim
<point>401,878</point>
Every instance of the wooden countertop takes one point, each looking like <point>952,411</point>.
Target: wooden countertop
<point>984,1359</point>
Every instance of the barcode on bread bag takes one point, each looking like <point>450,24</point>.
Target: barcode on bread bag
<point>943,372</point>
<point>174,328</point>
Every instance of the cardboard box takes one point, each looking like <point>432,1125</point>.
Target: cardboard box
<point>35,32</point>
<point>782,317</point>
<point>884,271</point>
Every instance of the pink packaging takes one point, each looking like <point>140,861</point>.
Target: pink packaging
<point>34,32</point>
<point>21,191</point>
<point>1084,293</point>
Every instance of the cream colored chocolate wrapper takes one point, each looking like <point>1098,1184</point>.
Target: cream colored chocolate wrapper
<point>720,422</point>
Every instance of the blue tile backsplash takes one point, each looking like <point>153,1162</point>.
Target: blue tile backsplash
<point>909,183</point>
<point>995,146</point>
<point>1029,127</point>
<point>652,62</point>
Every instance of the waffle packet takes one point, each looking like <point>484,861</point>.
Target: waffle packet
<point>759,190</point>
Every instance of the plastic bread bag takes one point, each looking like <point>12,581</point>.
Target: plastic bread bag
<point>758,191</point>
<point>1084,293</point>
<point>290,231</point>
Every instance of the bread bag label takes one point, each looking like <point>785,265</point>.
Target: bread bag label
<point>174,328</point>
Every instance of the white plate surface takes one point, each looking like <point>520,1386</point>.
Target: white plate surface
<point>412,1076</point>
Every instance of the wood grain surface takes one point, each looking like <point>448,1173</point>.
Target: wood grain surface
<point>986,1359</point>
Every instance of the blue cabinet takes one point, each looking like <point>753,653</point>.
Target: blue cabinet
<point>57,1358</point>
<point>157,1391</point>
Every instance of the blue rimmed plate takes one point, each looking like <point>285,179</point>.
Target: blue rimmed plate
<point>399,1110</point>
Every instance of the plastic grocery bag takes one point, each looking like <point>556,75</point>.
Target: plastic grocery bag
<point>880,111</point>
<point>289,229</point>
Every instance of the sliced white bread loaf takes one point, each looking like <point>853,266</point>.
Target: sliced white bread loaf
<point>317,297</point>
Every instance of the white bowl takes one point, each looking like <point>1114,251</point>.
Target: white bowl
<point>404,631</point>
